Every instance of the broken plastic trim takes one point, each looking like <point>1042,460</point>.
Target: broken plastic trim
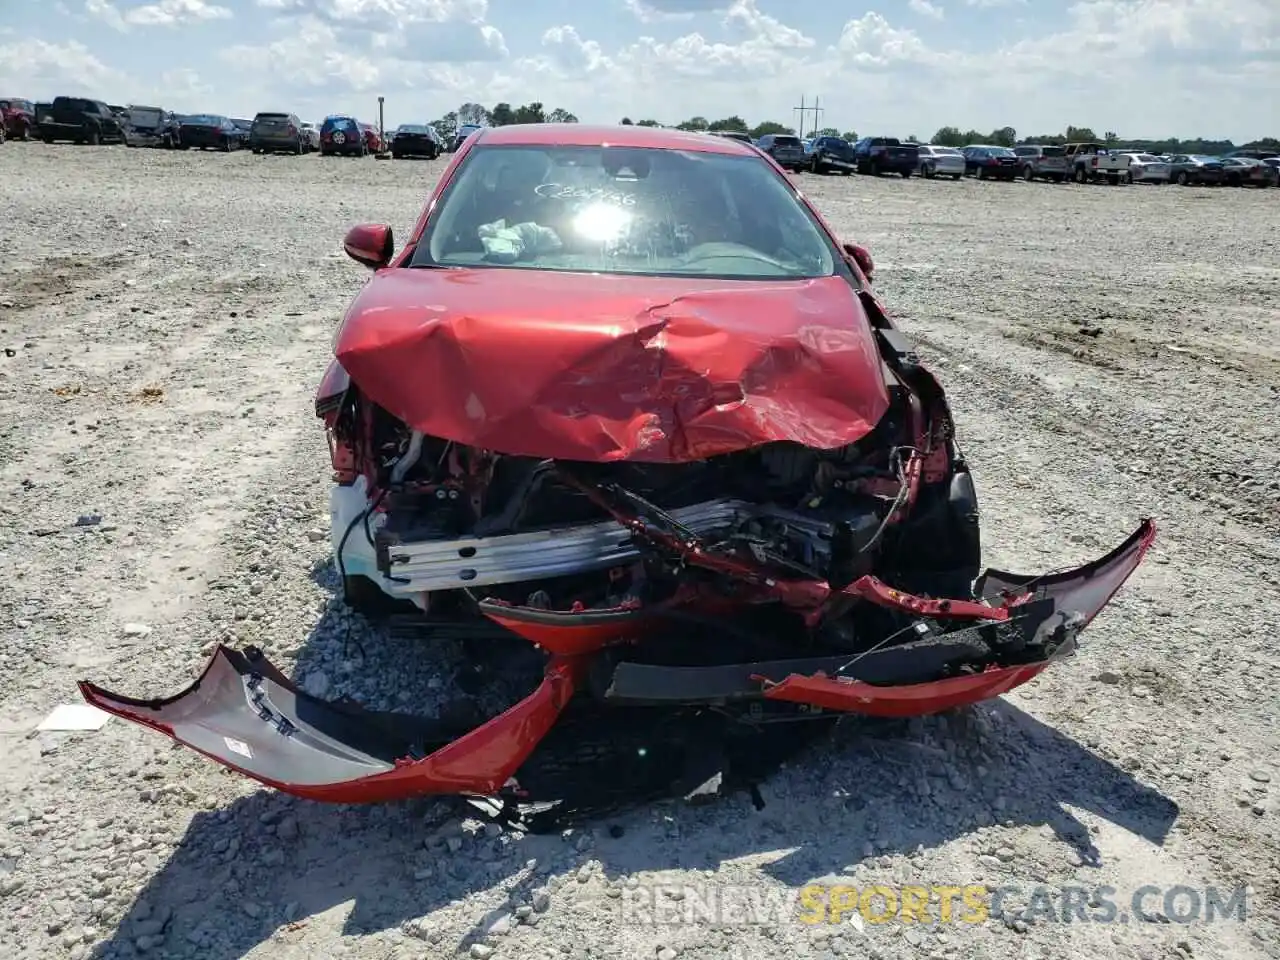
<point>245,714</point>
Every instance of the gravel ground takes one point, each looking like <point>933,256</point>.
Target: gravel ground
<point>164,318</point>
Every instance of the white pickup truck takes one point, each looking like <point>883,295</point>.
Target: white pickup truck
<point>1091,162</point>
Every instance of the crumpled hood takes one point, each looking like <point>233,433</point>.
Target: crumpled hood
<point>605,368</point>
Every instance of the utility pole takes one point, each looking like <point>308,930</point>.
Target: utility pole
<point>382,129</point>
<point>816,110</point>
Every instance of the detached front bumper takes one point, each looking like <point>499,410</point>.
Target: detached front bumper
<point>245,714</point>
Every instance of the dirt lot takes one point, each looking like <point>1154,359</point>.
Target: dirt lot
<point>164,319</point>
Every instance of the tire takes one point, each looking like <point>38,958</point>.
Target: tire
<point>956,176</point>
<point>92,138</point>
<point>1183,179</point>
<point>47,138</point>
<point>906,174</point>
<point>1028,174</point>
<point>1128,177</point>
<point>299,149</point>
<point>25,136</point>
<point>928,172</point>
<point>1080,176</point>
<point>982,173</point>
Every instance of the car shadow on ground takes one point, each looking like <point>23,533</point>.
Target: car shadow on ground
<point>267,867</point>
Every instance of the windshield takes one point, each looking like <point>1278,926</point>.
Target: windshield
<point>625,211</point>
<point>1201,158</point>
<point>1052,152</point>
<point>999,152</point>
<point>1147,158</point>
<point>338,123</point>
<point>945,152</point>
<point>787,141</point>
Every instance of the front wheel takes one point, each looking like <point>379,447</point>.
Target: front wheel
<point>1183,179</point>
<point>906,174</point>
<point>92,138</point>
<point>1080,175</point>
<point>1028,173</point>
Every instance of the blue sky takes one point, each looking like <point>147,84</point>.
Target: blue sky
<point>1144,68</point>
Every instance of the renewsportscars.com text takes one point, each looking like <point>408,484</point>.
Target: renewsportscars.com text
<point>730,905</point>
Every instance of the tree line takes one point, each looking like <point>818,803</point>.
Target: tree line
<point>500,115</point>
<point>503,114</point>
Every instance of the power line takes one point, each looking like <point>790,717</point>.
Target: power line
<point>816,110</point>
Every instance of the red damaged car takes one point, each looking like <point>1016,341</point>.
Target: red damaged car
<point>623,394</point>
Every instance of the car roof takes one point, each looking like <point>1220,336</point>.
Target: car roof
<point>588,135</point>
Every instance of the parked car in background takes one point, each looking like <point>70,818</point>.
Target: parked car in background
<point>341,135</point>
<point>81,121</point>
<point>1247,172</point>
<point>208,131</point>
<point>460,137</point>
<point>277,133</point>
<point>987,162</point>
<point>372,139</point>
<point>786,149</point>
<point>17,118</point>
<point>245,125</point>
<point>1186,169</point>
<point>877,155</point>
<point>1253,154</point>
<point>832,153</point>
<point>1090,162</point>
<point>1042,162</point>
<point>1147,168</point>
<point>939,161</point>
<point>151,127</point>
<point>311,137</point>
<point>416,140</point>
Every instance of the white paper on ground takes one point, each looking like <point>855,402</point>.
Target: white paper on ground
<point>74,716</point>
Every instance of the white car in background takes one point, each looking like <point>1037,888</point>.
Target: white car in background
<point>1147,168</point>
<point>311,137</point>
<point>936,161</point>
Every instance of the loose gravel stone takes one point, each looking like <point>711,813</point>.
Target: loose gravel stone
<point>166,317</point>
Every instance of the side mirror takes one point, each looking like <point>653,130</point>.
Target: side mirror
<point>861,257</point>
<point>370,244</point>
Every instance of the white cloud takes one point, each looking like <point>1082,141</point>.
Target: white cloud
<point>173,12</point>
<point>870,41</point>
<point>404,12</point>
<point>570,51</point>
<point>1185,66</point>
<point>927,9</point>
<point>646,13</point>
<point>33,63</point>
<point>163,13</point>
<point>654,11</point>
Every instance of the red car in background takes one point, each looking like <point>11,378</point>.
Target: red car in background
<point>18,118</point>
<point>626,413</point>
<point>372,139</point>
